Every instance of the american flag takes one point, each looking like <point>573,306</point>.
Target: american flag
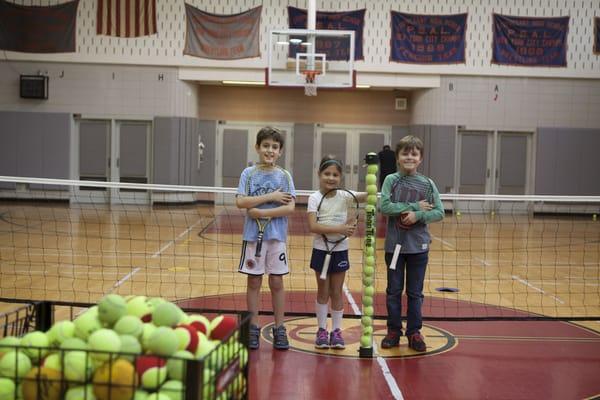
<point>126,18</point>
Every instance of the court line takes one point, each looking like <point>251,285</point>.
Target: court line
<point>172,242</point>
<point>526,283</point>
<point>351,301</point>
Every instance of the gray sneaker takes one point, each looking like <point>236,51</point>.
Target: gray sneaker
<point>254,337</point>
<point>322,341</point>
<point>280,340</point>
<point>336,341</point>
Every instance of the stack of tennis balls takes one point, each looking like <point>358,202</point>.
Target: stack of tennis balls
<point>366,339</point>
<point>121,349</point>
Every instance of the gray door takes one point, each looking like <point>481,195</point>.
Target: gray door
<point>474,169</point>
<point>94,150</point>
<point>234,155</point>
<point>134,140</point>
<point>512,166</point>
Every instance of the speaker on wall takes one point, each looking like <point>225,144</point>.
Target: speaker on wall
<point>34,87</point>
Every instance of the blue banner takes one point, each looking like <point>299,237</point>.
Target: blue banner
<point>597,35</point>
<point>335,48</point>
<point>428,39</point>
<point>538,42</point>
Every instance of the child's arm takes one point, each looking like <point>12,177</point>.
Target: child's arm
<point>321,229</point>
<point>436,210</point>
<point>277,196</point>
<point>281,211</point>
<point>361,196</point>
<point>390,208</point>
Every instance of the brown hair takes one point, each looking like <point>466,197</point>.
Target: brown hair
<point>330,160</point>
<point>269,132</point>
<point>410,142</point>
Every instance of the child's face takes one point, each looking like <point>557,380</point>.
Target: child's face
<point>269,151</point>
<point>409,160</point>
<point>330,178</point>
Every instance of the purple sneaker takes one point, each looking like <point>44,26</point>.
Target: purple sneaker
<point>322,341</point>
<point>336,341</point>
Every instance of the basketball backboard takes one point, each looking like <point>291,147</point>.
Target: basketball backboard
<point>301,57</point>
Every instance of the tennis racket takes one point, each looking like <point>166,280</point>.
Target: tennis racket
<point>263,181</point>
<point>337,207</point>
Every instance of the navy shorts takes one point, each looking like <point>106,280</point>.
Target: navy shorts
<point>338,263</point>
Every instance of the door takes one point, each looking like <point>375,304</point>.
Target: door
<point>94,151</point>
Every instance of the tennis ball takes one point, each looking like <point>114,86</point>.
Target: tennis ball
<point>205,346</point>
<point>140,307</point>
<point>130,345</point>
<point>163,341</point>
<point>367,300</point>
<point>372,168</point>
<point>369,251</point>
<point>368,271</point>
<point>111,308</point>
<point>129,325</point>
<point>366,320</point>
<point>176,364</point>
<point>147,331</point>
<point>158,396</point>
<point>174,390</point>
<point>366,341</point>
<point>74,344</point>
<point>368,311</point>
<point>115,380</point>
<point>372,189</point>
<point>14,364</point>
<point>369,291</point>
<point>367,330</point>
<point>371,179</point>
<point>166,314</point>
<point>140,395</point>
<point>105,341</point>
<point>42,383</point>
<point>151,370</point>
<point>35,345</point>
<point>187,336</point>
<point>221,326</point>
<point>53,361</point>
<point>60,332</point>
<point>7,389</point>
<point>200,322</point>
<point>86,324</point>
<point>370,208</point>
<point>8,343</point>
<point>372,199</point>
<point>81,393</point>
<point>370,261</point>
<point>367,280</point>
<point>77,366</point>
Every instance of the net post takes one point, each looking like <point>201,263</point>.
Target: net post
<point>366,337</point>
<point>43,316</point>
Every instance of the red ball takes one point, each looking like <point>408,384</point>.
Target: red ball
<point>145,362</point>
<point>192,345</point>
<point>222,326</point>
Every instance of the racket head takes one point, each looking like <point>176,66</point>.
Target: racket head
<point>337,207</point>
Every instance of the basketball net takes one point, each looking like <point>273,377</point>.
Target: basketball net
<point>310,83</point>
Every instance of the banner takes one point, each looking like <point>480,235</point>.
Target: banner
<point>126,18</point>
<point>37,29</point>
<point>222,37</point>
<point>539,42</point>
<point>335,48</point>
<point>428,39</point>
<point>597,35</point>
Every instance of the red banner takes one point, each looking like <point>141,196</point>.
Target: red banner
<point>126,18</point>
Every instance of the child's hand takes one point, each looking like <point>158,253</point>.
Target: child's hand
<point>254,213</point>
<point>425,206</point>
<point>348,229</point>
<point>281,197</point>
<point>409,218</point>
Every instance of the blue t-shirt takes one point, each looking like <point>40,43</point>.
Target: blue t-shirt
<point>256,181</point>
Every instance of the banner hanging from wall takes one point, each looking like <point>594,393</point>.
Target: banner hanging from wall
<point>597,35</point>
<point>536,42</point>
<point>38,29</point>
<point>341,21</point>
<point>222,37</point>
<point>126,18</point>
<point>428,39</point>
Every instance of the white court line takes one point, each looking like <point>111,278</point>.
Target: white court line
<point>445,243</point>
<point>389,378</point>
<point>172,242</point>
<point>524,282</point>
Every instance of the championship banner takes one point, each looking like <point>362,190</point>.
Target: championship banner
<point>597,35</point>
<point>222,37</point>
<point>428,39</point>
<point>537,42</point>
<point>38,29</point>
<point>126,18</point>
<point>334,48</point>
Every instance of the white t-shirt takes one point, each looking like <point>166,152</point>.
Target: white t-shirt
<point>313,203</point>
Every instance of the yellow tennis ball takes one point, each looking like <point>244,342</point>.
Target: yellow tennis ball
<point>77,366</point>
<point>366,341</point>
<point>368,311</point>
<point>80,393</point>
<point>372,169</point>
<point>140,395</point>
<point>111,308</point>
<point>163,341</point>
<point>116,380</point>
<point>367,300</point>
<point>369,291</point>
<point>35,345</point>
<point>370,261</point>
<point>367,280</point>
<point>367,330</point>
<point>8,343</point>
<point>53,361</point>
<point>129,325</point>
<point>366,320</point>
<point>173,389</point>
<point>14,364</point>
<point>86,324</point>
<point>147,331</point>
<point>368,270</point>
<point>176,364</point>
<point>74,344</point>
<point>105,341</point>
<point>42,383</point>
<point>372,199</point>
<point>370,208</point>
<point>7,389</point>
<point>60,332</point>
<point>372,189</point>
<point>129,344</point>
<point>369,251</point>
<point>158,396</point>
<point>371,179</point>
<point>140,307</point>
<point>166,314</point>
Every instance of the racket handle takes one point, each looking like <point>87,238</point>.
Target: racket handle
<point>395,256</point>
<point>259,241</point>
<point>325,266</point>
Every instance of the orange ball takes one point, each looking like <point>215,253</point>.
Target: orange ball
<point>115,380</point>
<point>43,383</point>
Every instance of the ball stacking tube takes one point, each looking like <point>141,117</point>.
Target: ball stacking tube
<point>366,339</point>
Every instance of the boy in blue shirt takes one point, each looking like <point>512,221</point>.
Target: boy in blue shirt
<point>267,192</point>
<point>411,201</point>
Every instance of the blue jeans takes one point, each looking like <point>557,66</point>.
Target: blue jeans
<point>414,267</point>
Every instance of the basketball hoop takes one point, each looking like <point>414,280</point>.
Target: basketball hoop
<point>310,83</point>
